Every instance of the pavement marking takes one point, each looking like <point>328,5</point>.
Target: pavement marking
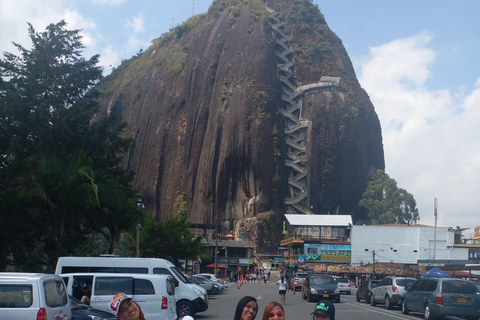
<point>376,311</point>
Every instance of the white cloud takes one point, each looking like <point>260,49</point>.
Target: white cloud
<point>431,137</point>
<point>135,27</point>
<point>136,24</point>
<point>14,16</point>
<point>108,2</point>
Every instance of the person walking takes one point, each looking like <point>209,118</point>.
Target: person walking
<point>246,309</point>
<point>324,310</point>
<point>282,289</point>
<point>273,311</point>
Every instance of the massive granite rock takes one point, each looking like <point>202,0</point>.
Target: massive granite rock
<point>203,102</point>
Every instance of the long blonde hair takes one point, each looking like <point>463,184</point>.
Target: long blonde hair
<point>269,307</point>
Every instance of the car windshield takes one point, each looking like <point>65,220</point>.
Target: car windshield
<point>457,286</point>
<point>179,274</point>
<point>405,282</point>
<point>302,275</point>
<point>374,283</point>
<point>323,280</point>
<point>340,280</point>
<point>200,279</point>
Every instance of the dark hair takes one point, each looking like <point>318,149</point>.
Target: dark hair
<point>241,304</point>
<point>269,307</point>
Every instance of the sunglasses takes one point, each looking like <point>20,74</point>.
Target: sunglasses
<point>272,314</point>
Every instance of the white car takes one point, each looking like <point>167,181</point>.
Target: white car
<point>33,296</point>
<point>344,285</point>
<point>214,277</point>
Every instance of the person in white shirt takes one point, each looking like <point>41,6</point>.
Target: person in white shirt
<point>282,289</point>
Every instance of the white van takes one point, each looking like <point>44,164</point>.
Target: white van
<point>154,293</point>
<point>191,298</point>
<point>33,296</point>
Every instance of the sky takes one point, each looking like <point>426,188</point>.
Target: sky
<point>419,62</point>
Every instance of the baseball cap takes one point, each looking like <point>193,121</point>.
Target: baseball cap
<point>325,308</point>
<point>116,301</point>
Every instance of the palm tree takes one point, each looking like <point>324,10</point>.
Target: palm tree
<point>62,191</point>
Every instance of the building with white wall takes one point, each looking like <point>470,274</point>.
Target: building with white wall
<point>407,244</point>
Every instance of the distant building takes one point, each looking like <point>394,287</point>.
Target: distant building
<point>408,244</point>
<point>317,239</point>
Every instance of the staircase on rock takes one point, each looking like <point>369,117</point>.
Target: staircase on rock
<point>297,130</point>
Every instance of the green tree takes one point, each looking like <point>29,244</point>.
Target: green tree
<point>47,103</point>
<point>60,192</point>
<point>386,203</point>
<point>172,239</point>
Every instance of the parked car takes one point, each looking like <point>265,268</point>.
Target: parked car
<point>220,286</point>
<point>82,311</point>
<point>344,285</point>
<point>390,291</point>
<point>298,280</point>
<point>440,297</point>
<point>320,286</point>
<point>155,293</point>
<point>364,292</point>
<point>210,287</point>
<point>33,296</point>
<point>214,277</point>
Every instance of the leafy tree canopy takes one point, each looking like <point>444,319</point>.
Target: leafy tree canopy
<point>59,174</point>
<point>386,203</point>
<point>172,239</point>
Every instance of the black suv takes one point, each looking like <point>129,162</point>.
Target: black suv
<point>440,297</point>
<point>364,292</point>
<point>320,286</point>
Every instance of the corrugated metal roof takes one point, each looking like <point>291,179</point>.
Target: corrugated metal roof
<point>318,220</point>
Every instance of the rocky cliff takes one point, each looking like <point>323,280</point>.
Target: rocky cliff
<point>206,107</point>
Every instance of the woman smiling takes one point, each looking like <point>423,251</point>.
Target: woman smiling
<point>246,309</point>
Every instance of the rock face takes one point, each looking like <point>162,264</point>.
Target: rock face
<point>203,105</point>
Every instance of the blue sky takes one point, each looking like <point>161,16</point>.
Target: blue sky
<point>419,61</point>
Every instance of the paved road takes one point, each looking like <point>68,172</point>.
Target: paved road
<point>222,306</point>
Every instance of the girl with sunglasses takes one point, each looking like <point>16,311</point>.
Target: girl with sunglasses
<point>274,311</point>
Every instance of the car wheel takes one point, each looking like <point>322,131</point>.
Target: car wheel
<point>404,307</point>
<point>184,308</point>
<point>388,303</point>
<point>349,292</point>
<point>337,300</point>
<point>357,297</point>
<point>372,301</point>
<point>368,299</point>
<point>309,297</point>
<point>427,313</point>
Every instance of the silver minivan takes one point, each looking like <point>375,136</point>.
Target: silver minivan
<point>440,297</point>
<point>154,293</point>
<point>33,296</point>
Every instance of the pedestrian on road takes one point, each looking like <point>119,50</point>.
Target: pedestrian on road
<point>274,311</point>
<point>124,308</point>
<point>282,289</point>
<point>324,310</point>
<point>246,309</point>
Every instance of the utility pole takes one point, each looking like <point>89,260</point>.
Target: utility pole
<point>435,230</point>
<point>374,253</point>
<point>137,250</point>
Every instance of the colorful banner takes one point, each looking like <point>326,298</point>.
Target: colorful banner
<point>327,252</point>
